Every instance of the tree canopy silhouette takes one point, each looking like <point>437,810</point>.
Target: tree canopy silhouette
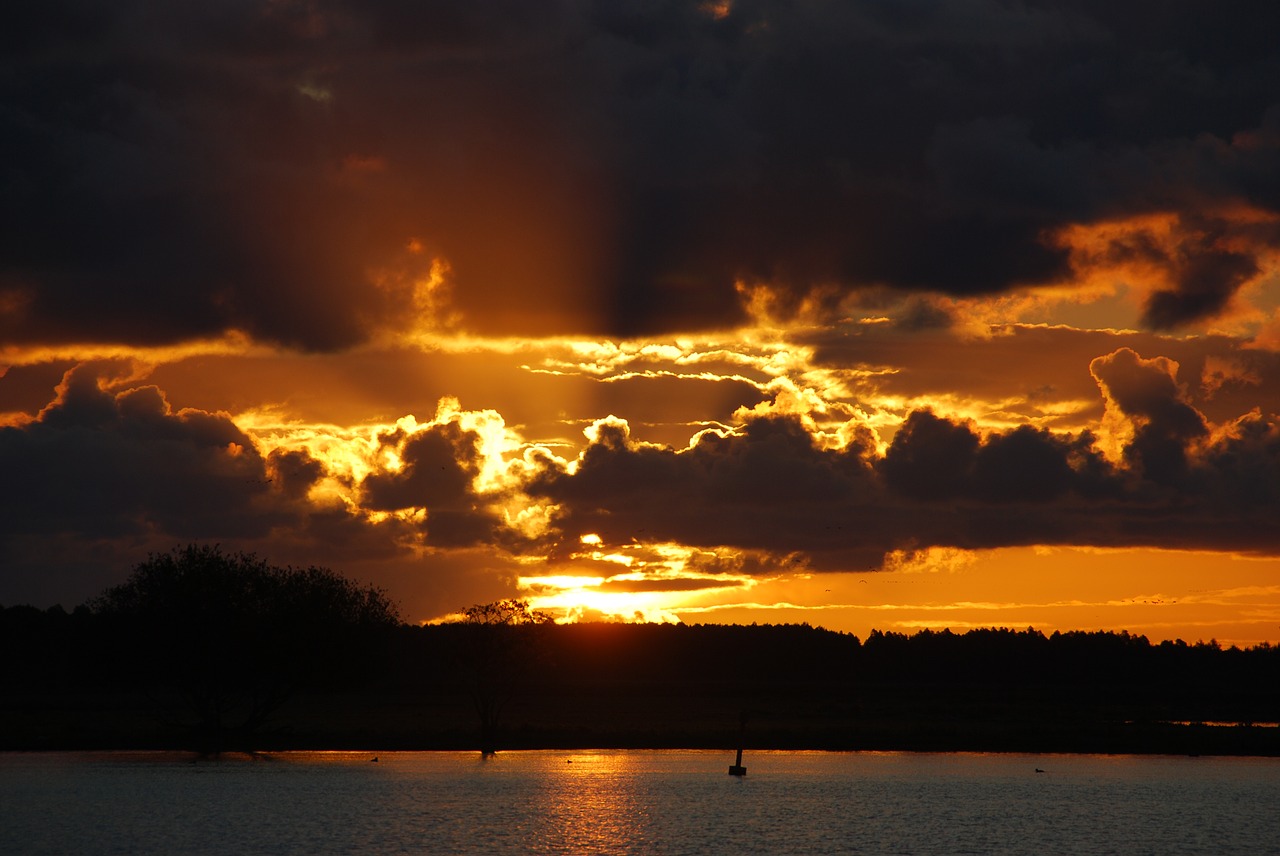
<point>505,613</point>
<point>227,637</point>
<point>496,644</point>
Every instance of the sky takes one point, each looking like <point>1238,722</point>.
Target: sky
<point>924,314</point>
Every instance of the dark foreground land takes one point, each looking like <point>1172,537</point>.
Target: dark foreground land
<point>73,683</point>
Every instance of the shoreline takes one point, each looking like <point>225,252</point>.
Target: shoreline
<point>1261,741</point>
<point>191,755</point>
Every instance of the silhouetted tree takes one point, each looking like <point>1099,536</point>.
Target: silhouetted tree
<point>228,637</point>
<point>496,644</point>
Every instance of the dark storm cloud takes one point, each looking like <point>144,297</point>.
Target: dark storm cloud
<point>109,471</point>
<point>294,472</point>
<point>762,488</point>
<point>171,172</point>
<point>932,458</point>
<point>1245,467</point>
<point>1205,283</point>
<point>1164,424</point>
<point>438,468</point>
<point>1197,267</point>
<point>102,463</point>
<point>771,487</point>
<point>439,465</point>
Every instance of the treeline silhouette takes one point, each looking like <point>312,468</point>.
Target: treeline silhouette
<point>309,660</point>
<point>215,644</point>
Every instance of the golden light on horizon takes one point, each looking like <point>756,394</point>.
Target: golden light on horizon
<point>578,602</point>
<point>1163,595</point>
<point>1160,594</point>
<point>632,582</point>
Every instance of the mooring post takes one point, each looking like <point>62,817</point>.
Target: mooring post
<point>737,769</point>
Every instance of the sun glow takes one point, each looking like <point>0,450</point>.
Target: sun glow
<point>636,581</point>
<point>580,601</point>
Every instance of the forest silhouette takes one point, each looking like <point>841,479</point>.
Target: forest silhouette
<point>208,651</point>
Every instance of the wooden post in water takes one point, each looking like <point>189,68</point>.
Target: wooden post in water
<point>736,769</point>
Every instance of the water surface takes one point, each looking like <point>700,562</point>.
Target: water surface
<point>676,802</point>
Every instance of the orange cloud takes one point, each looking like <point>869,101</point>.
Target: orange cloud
<point>1183,268</point>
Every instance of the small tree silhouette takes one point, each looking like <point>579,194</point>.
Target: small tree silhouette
<point>497,642</point>
<point>226,638</point>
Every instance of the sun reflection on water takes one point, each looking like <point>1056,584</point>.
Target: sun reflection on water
<point>594,803</point>
<point>635,802</point>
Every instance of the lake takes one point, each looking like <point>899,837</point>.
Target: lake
<point>612,801</point>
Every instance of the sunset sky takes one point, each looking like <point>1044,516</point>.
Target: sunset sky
<point>922,314</point>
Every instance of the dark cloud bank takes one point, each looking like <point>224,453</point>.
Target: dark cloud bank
<point>607,165</point>
<point>109,470</point>
<point>771,487</point>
